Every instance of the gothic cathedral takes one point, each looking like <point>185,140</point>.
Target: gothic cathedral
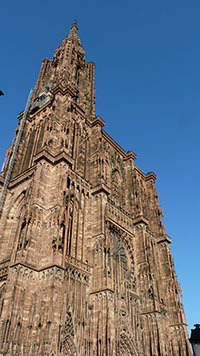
<point>85,263</point>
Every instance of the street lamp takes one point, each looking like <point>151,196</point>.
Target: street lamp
<point>195,340</point>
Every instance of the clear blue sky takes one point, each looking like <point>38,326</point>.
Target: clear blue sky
<point>147,56</point>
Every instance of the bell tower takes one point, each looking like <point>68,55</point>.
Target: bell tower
<point>85,263</point>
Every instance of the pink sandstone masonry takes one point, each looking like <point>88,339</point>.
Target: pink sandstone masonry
<point>85,263</point>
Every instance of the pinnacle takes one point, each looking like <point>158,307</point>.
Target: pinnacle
<point>72,37</point>
<point>74,27</point>
<point>73,34</point>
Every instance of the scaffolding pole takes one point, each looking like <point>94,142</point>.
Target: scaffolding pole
<point>16,145</point>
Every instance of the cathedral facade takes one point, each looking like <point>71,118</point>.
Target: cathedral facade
<point>85,263</point>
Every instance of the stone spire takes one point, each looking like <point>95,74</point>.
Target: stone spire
<point>74,27</point>
<point>72,38</point>
<point>69,67</point>
<point>69,53</point>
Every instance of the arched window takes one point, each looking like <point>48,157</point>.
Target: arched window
<point>126,346</point>
<point>67,346</point>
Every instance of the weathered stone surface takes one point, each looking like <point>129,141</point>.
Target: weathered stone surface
<point>85,263</point>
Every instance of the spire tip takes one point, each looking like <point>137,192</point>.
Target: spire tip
<point>74,27</point>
